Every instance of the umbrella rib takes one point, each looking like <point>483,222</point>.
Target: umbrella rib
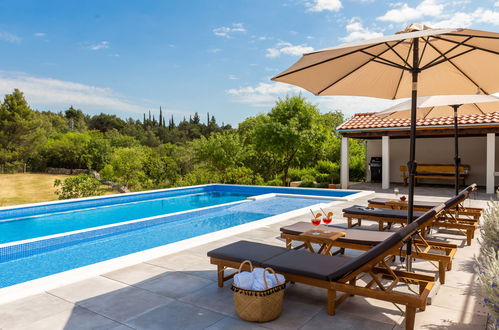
<point>402,74</point>
<point>424,49</point>
<point>332,59</point>
<point>349,73</point>
<point>479,109</point>
<point>446,59</point>
<point>459,69</point>
<point>429,64</point>
<point>398,55</point>
<point>476,47</point>
<point>389,63</point>
<point>468,35</point>
<point>431,109</point>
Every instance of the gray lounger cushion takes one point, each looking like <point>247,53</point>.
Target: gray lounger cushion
<point>425,204</point>
<point>456,199</point>
<point>356,236</point>
<point>419,204</point>
<point>239,251</point>
<point>301,262</point>
<point>304,263</point>
<point>378,212</point>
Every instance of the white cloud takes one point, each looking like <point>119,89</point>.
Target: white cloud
<point>48,93</point>
<point>262,95</point>
<point>9,37</point>
<point>214,50</point>
<point>39,34</point>
<point>324,5</point>
<point>496,4</point>
<point>351,105</point>
<point>404,13</point>
<point>286,48</point>
<point>266,94</point>
<point>229,31</point>
<point>356,31</point>
<point>461,19</point>
<point>232,77</point>
<point>99,45</point>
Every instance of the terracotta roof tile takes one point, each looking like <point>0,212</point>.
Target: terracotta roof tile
<point>369,120</point>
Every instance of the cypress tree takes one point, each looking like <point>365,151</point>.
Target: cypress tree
<point>160,116</point>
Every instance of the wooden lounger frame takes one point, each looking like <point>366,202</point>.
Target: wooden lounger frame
<point>446,219</point>
<point>461,212</point>
<point>422,250</point>
<point>377,269</point>
<point>456,212</point>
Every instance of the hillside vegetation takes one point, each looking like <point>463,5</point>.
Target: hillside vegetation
<point>292,142</point>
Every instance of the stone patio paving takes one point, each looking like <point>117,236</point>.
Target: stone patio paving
<point>179,291</point>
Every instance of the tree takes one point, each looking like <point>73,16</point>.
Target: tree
<point>82,185</point>
<point>220,150</point>
<point>76,119</point>
<point>241,175</point>
<point>104,122</point>
<point>18,129</point>
<point>196,120</point>
<point>127,167</point>
<point>161,169</point>
<point>260,161</point>
<point>97,153</point>
<point>292,125</point>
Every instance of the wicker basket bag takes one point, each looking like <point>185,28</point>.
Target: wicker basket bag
<point>259,306</point>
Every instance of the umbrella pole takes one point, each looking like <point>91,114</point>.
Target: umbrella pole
<point>457,160</point>
<point>411,165</point>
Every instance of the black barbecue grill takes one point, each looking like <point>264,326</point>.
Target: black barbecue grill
<point>375,168</point>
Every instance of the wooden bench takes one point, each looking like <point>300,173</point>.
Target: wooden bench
<point>443,172</point>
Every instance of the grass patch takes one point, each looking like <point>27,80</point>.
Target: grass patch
<point>23,188</point>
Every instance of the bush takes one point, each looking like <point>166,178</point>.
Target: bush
<point>323,178</point>
<point>82,185</point>
<point>297,174</point>
<point>331,169</point>
<point>199,176</point>
<point>307,181</point>
<point>274,182</point>
<point>241,175</point>
<point>487,264</point>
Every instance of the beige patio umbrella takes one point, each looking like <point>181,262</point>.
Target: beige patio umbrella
<point>417,60</point>
<point>445,106</point>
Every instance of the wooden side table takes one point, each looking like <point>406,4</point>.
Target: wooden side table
<point>323,237</point>
<point>397,204</point>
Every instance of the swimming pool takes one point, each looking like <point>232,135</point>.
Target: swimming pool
<point>93,230</point>
<point>21,228</point>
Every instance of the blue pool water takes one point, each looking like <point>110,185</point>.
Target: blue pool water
<point>43,224</point>
<point>24,262</point>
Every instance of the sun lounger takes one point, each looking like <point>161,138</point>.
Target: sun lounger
<point>359,239</point>
<point>459,211</point>
<point>391,216</point>
<point>336,273</point>
<point>381,216</point>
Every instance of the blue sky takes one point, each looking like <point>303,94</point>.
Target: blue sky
<point>128,57</point>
